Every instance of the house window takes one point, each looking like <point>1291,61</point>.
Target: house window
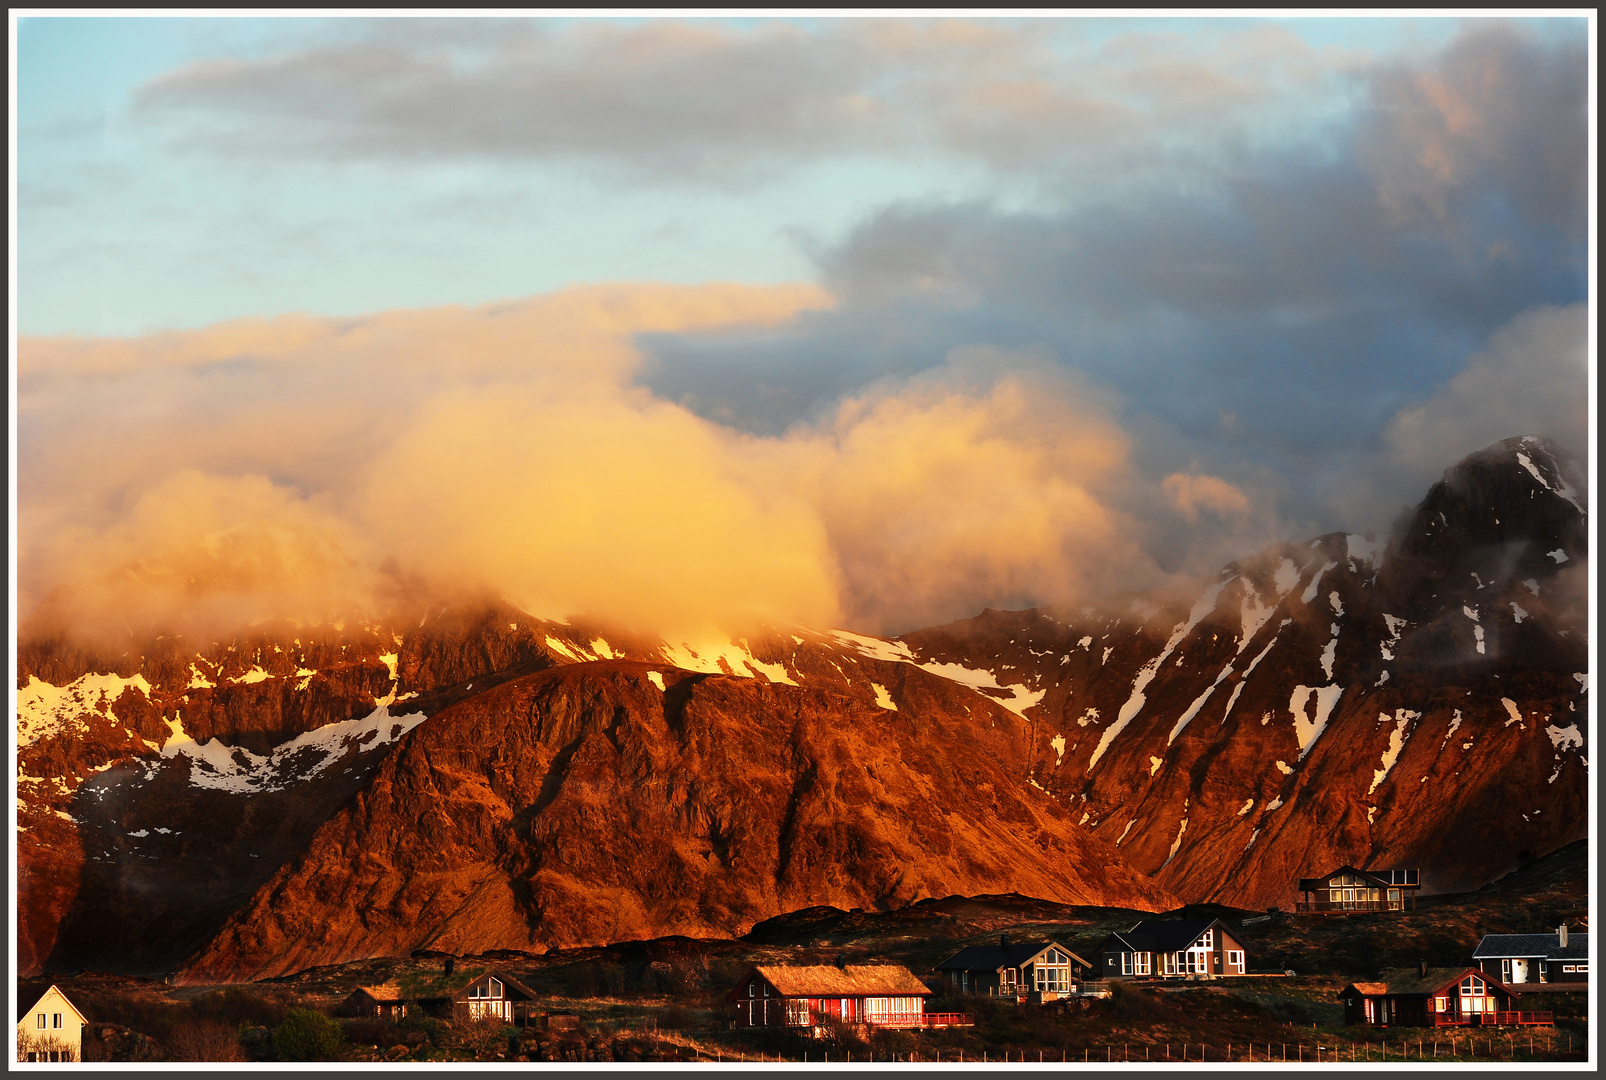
<point>495,989</point>
<point>1126,963</point>
<point>750,991</point>
<point>55,1020</point>
<point>474,991</point>
<point>1235,960</point>
<point>1208,941</point>
<point>1505,970</point>
<point>1141,964</point>
<point>1440,1004</point>
<point>39,1021</point>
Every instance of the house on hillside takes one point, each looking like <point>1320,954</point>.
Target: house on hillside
<point>496,995</point>
<point>1557,959</point>
<point>1171,949</point>
<point>810,996</point>
<point>1026,970</point>
<point>386,1002</point>
<point>1435,997</point>
<point>1348,889</point>
<point>51,1029</point>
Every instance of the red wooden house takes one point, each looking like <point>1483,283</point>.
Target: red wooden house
<point>1435,997</point>
<point>809,996</point>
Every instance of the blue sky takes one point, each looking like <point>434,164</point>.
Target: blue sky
<point>1288,269</point>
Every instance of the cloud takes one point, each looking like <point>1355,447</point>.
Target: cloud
<point>1529,380</point>
<point>1192,492</point>
<point>1498,112</point>
<point>720,102</point>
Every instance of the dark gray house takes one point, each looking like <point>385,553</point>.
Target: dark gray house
<point>1172,948</point>
<point>1016,970</point>
<point>1516,959</point>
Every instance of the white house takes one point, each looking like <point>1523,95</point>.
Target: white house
<point>51,1030</point>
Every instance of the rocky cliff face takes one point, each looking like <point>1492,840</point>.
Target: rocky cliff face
<point>1415,704</point>
<point>471,777</point>
<point>616,800</point>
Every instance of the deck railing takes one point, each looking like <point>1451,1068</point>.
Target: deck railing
<point>1493,1019</point>
<point>921,1020</point>
<point>1325,906</point>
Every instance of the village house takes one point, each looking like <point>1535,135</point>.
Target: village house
<point>386,1002</point>
<point>810,996</point>
<point>1553,960</point>
<point>1173,948</point>
<point>498,996</point>
<point>1435,997</point>
<point>1026,970</point>
<point>1348,889</point>
<point>51,1029</point>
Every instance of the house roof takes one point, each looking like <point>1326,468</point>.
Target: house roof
<point>498,973</point>
<point>1382,877</point>
<point>1411,981</point>
<point>1165,935</point>
<point>1529,946</point>
<point>387,992</point>
<point>22,1012</point>
<point>993,957</point>
<point>828,980</point>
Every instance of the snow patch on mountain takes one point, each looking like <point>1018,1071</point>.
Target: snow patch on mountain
<point>1198,703</point>
<point>1202,607</point>
<point>1308,729</point>
<point>882,698</point>
<point>219,767</point>
<point>1315,582</point>
<point>1397,738</point>
<point>44,709</point>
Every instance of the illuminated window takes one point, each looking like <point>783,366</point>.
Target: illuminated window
<point>40,1021</point>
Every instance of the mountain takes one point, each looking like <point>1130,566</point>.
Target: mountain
<point>469,777</point>
<point>1415,704</point>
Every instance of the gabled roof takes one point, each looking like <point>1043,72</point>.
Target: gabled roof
<point>22,1013</point>
<point>1165,935</point>
<point>828,980</point>
<point>1381,878</point>
<point>385,992</point>
<point>497,973</point>
<point>1412,982</point>
<point>1531,946</point>
<point>993,957</point>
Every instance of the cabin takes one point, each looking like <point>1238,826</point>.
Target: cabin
<point>1435,997</point>
<point>51,1029</point>
<point>1347,890</point>
<point>1172,949</point>
<point>385,1002</point>
<point>496,995</point>
<point>1023,971</point>
<point>812,995</point>
<point>1519,959</point>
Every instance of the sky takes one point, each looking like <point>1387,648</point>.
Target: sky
<point>687,322</point>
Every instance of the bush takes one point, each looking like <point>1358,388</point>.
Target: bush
<point>306,1035</point>
<point>204,1040</point>
<point>372,1031</point>
<point>236,1007</point>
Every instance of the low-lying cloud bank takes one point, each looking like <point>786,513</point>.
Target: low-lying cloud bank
<point>305,468</point>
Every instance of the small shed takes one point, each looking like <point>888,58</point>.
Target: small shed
<point>51,1029</point>
<point>878,995</point>
<point>495,995</point>
<point>386,1002</point>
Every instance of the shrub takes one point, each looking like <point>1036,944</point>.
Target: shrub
<point>236,1007</point>
<point>371,1030</point>
<point>204,1040</point>
<point>306,1035</point>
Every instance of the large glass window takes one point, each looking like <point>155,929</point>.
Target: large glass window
<point>1141,963</point>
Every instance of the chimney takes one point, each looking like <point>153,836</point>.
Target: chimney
<point>451,962</point>
<point>1423,967</point>
<point>1561,934</point>
<point>841,961</point>
<point>1003,941</point>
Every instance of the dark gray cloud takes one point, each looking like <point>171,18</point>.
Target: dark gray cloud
<point>1282,319</point>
